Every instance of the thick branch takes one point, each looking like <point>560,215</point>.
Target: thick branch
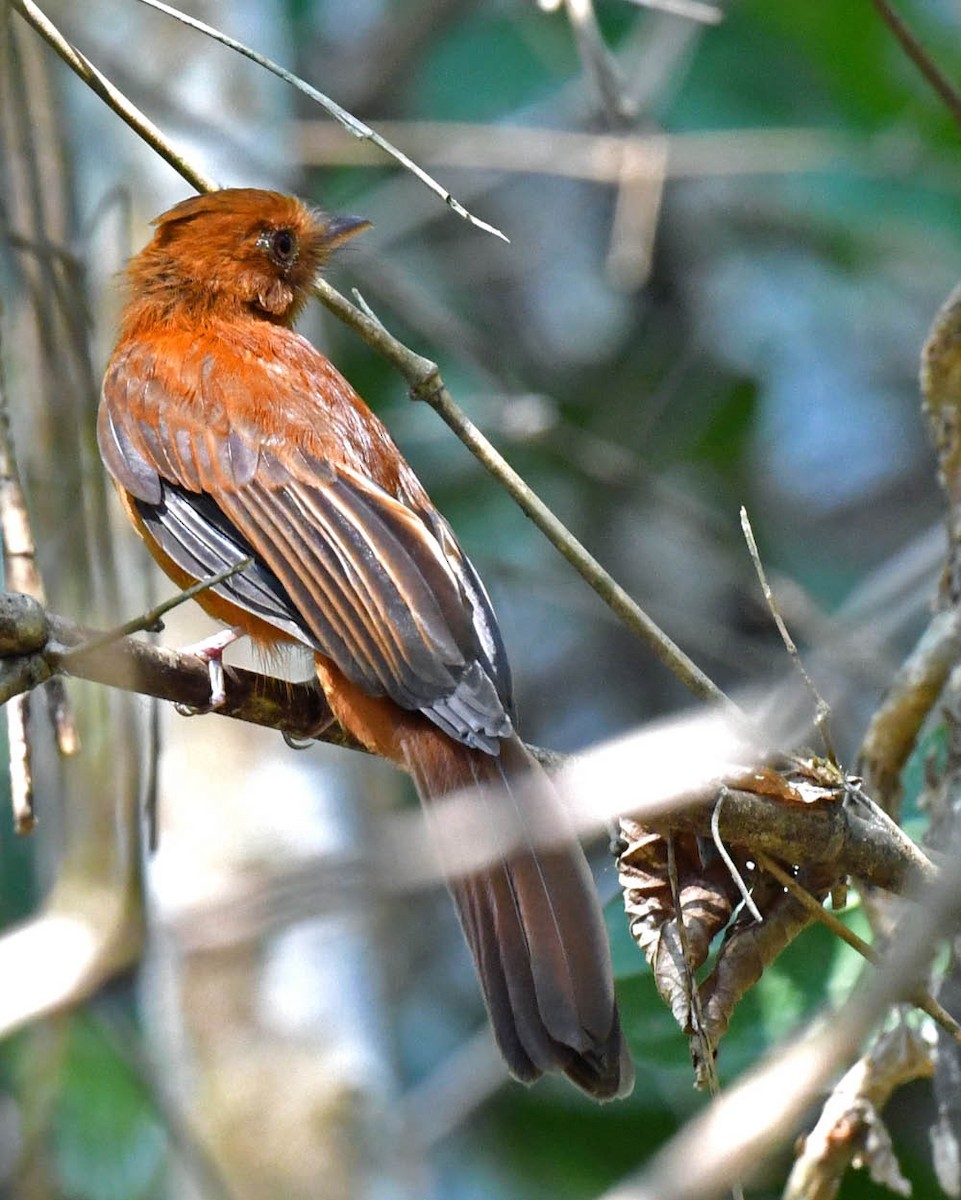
<point>34,646</point>
<point>37,645</point>
<point>809,834</point>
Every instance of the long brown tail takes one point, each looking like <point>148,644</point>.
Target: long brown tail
<point>533,922</point>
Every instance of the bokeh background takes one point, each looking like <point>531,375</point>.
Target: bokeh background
<point>720,272</point>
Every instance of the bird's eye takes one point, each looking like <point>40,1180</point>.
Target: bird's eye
<point>282,247</point>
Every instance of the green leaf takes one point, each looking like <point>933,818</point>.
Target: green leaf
<point>109,1145</point>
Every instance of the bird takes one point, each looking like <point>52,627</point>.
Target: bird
<point>234,442</point>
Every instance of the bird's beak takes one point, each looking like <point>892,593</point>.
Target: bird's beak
<point>340,229</point>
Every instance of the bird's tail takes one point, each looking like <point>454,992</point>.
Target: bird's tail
<point>532,919</point>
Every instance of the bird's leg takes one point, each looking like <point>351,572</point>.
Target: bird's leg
<point>211,651</point>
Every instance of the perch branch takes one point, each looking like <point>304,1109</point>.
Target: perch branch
<point>35,645</point>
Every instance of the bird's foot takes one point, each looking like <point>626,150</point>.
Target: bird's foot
<point>211,651</point>
<point>296,742</point>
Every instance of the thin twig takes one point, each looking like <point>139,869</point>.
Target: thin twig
<point>426,384</point>
<point>150,620</point>
<point>706,1061</point>
<point>111,96</point>
<point>137,666</point>
<point>693,10</point>
<point>920,998</point>
<point>21,775</point>
<point>735,874</point>
<point>921,59</point>
<point>705,1051</point>
<point>822,711</point>
<point>351,123</point>
<point>599,64</point>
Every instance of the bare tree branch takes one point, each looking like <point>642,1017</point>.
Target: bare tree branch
<point>762,1110</point>
<point>677,793</point>
<point>896,723</point>
<point>921,59</point>
<point>35,646</point>
<point>850,1127</point>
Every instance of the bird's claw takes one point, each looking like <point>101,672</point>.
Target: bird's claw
<point>305,742</point>
<point>211,651</point>
<point>296,743</point>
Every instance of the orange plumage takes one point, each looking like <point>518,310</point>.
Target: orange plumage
<point>229,436</point>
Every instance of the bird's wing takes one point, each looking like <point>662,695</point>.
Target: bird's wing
<point>379,587</point>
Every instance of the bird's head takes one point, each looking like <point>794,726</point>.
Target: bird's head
<point>239,249</point>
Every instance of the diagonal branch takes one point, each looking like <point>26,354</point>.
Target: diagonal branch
<point>36,646</point>
<point>425,382</point>
<point>599,63</point>
<point>101,86</point>
<point>352,124</point>
<point>921,58</point>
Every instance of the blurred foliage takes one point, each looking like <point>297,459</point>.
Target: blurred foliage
<point>109,1143</point>
<point>769,359</point>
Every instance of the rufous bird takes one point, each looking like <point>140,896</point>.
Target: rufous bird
<point>229,436</point>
